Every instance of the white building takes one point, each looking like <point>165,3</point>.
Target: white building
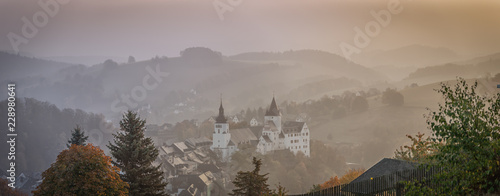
<point>277,136</point>
<point>254,122</point>
<point>221,141</point>
<point>235,119</point>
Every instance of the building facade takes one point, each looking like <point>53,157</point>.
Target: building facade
<point>221,141</point>
<point>275,135</point>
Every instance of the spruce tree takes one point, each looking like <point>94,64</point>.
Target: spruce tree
<point>134,154</point>
<point>251,183</point>
<point>77,137</point>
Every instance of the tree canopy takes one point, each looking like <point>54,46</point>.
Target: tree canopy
<point>77,137</point>
<point>251,183</point>
<point>392,97</point>
<point>5,189</point>
<point>468,126</point>
<point>348,177</point>
<point>134,154</point>
<point>82,170</point>
<point>420,149</point>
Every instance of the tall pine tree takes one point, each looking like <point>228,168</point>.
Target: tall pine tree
<point>134,154</point>
<point>251,183</point>
<point>77,137</point>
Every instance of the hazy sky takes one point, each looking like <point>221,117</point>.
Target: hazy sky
<point>144,28</point>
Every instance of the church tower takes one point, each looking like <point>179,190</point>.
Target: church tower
<point>273,114</point>
<point>221,135</point>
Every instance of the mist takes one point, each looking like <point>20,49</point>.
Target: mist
<point>361,75</point>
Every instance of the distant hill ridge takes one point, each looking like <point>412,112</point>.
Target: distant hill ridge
<point>15,66</point>
<point>412,55</point>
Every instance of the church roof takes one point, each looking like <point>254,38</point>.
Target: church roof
<point>267,139</point>
<point>273,109</point>
<point>257,130</point>
<point>221,118</point>
<point>242,135</point>
<point>270,126</point>
<point>292,127</point>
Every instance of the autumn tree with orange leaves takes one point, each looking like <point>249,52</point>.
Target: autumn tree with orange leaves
<point>420,149</point>
<point>82,170</point>
<point>348,177</point>
<point>5,189</point>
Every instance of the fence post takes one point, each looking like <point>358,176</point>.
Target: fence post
<point>399,189</point>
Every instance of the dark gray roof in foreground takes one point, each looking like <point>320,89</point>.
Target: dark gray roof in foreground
<point>385,167</point>
<point>385,175</point>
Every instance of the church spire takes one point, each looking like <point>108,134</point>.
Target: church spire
<point>221,118</point>
<point>273,109</point>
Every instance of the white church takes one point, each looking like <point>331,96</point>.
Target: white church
<point>275,135</point>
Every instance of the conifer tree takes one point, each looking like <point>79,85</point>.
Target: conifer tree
<point>134,154</point>
<point>251,183</point>
<point>77,137</point>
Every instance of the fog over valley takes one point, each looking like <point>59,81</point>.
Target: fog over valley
<point>317,95</point>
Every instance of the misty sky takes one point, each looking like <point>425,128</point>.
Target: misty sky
<point>164,27</point>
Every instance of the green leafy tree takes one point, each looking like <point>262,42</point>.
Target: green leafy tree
<point>420,149</point>
<point>134,155</point>
<point>468,125</point>
<point>280,191</point>
<point>77,137</point>
<point>81,170</point>
<point>251,183</point>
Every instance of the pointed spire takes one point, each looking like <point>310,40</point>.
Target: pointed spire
<point>221,118</point>
<point>273,109</point>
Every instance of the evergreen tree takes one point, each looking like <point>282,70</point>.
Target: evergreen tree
<point>251,183</point>
<point>134,155</point>
<point>77,137</point>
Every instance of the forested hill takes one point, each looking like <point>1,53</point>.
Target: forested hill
<point>312,59</point>
<point>195,80</point>
<point>16,66</point>
<point>43,131</point>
